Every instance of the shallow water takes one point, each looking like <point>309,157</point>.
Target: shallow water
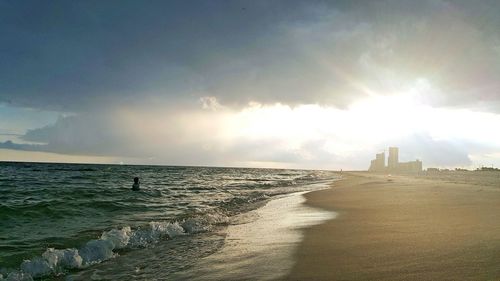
<point>57,219</point>
<point>262,246</point>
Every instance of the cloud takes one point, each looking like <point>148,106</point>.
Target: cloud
<point>153,135</point>
<point>26,147</point>
<point>210,103</point>
<point>307,136</point>
<point>440,153</point>
<point>277,81</point>
<point>296,52</point>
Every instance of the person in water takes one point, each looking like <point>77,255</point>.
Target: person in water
<point>135,186</point>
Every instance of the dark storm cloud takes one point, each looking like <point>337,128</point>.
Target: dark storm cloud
<point>71,56</point>
<point>86,135</point>
<point>26,147</point>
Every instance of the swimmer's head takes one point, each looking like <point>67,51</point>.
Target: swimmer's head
<point>136,179</point>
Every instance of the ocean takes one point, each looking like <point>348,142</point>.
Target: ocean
<point>81,221</point>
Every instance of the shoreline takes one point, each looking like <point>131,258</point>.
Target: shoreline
<point>261,245</point>
<point>402,229</point>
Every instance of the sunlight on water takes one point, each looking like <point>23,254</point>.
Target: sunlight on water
<point>56,218</point>
<point>265,242</point>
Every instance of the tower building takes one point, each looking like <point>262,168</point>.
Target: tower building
<point>393,160</point>
<point>378,164</point>
<point>393,164</point>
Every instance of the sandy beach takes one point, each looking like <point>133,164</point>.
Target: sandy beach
<point>402,228</point>
<point>263,239</point>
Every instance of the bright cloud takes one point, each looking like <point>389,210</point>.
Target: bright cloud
<point>309,135</point>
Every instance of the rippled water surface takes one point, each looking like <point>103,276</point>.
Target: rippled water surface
<point>59,219</point>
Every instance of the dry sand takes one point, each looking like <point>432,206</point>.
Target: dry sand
<point>402,229</point>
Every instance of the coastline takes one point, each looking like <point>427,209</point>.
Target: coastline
<point>402,229</point>
<point>261,243</point>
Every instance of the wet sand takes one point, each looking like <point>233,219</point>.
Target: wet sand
<point>402,229</point>
<point>259,245</point>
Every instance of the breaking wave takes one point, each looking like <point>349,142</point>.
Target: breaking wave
<point>82,213</point>
<point>58,261</point>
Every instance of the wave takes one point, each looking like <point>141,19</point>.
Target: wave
<point>178,193</point>
<point>59,261</point>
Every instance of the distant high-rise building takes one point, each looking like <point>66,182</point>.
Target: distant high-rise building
<point>392,162</point>
<point>380,157</point>
<point>378,164</point>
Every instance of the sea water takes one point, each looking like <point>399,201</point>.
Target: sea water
<point>263,248</point>
<point>83,221</point>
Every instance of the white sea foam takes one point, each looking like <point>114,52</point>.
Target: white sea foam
<point>170,229</point>
<point>153,233</point>
<point>194,226</point>
<point>54,261</point>
<point>266,241</point>
<point>205,223</point>
<point>96,251</point>
<point>118,237</point>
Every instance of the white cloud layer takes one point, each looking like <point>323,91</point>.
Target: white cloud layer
<point>277,135</point>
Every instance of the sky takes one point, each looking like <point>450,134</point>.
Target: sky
<point>285,84</point>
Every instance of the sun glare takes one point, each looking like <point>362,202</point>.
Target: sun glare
<point>373,119</point>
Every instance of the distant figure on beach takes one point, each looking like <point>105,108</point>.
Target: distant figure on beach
<point>135,186</point>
